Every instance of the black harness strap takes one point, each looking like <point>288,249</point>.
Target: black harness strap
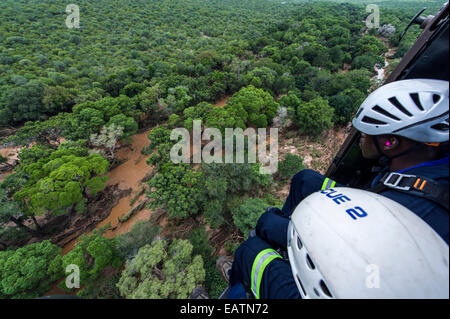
<point>414,185</point>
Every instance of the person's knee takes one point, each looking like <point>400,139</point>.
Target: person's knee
<point>267,219</point>
<point>263,220</point>
<point>303,174</point>
<point>303,184</point>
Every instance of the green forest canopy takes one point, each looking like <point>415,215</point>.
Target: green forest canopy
<point>134,64</point>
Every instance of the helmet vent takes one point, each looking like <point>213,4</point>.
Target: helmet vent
<point>299,243</point>
<point>370,120</point>
<point>415,98</point>
<point>399,106</point>
<point>359,112</point>
<point>316,292</point>
<point>440,127</point>
<point>436,98</point>
<point>325,289</point>
<point>378,109</point>
<point>301,285</point>
<point>310,263</point>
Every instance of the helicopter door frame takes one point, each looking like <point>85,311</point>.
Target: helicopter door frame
<point>347,161</point>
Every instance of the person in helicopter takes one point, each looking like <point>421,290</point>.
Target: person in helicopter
<point>403,124</point>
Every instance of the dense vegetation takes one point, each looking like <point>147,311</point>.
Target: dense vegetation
<point>158,271</point>
<point>70,95</point>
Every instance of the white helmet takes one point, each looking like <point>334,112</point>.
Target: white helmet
<point>350,243</point>
<point>416,109</point>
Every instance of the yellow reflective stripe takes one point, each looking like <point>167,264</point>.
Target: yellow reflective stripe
<point>259,264</point>
<point>260,273</point>
<point>327,183</point>
<point>254,278</point>
<point>324,184</point>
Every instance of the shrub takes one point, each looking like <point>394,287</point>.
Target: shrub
<point>92,254</point>
<point>28,272</point>
<point>315,116</point>
<point>214,282</point>
<point>246,217</point>
<point>291,165</point>
<point>141,234</point>
<point>163,271</point>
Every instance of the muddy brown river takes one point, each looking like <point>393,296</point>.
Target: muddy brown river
<point>128,176</point>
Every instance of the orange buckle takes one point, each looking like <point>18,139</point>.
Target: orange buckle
<point>416,184</point>
<point>433,144</point>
